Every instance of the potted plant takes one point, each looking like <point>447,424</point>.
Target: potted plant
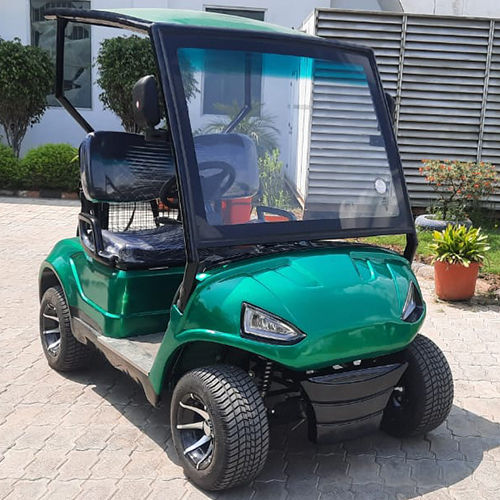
<point>458,252</point>
<point>459,185</point>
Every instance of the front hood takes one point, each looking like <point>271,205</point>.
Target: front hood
<point>335,291</point>
<point>348,301</point>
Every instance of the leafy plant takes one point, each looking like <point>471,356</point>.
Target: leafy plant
<point>9,168</point>
<point>459,245</point>
<point>26,78</point>
<point>459,184</point>
<point>121,62</point>
<point>273,190</point>
<point>256,124</point>
<point>51,166</point>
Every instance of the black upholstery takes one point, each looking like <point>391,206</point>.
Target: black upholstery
<point>147,248</point>
<point>122,167</point>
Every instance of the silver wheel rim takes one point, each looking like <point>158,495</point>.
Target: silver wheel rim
<point>196,431</point>
<point>51,330</point>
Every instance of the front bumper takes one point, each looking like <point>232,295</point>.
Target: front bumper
<point>349,404</point>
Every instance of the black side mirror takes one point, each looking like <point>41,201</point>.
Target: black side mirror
<point>391,104</point>
<point>145,103</point>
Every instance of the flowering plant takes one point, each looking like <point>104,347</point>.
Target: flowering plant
<point>459,184</point>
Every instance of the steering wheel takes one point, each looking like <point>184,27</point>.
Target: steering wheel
<point>213,186</point>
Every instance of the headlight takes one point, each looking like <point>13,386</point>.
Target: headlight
<point>262,325</point>
<point>414,305</point>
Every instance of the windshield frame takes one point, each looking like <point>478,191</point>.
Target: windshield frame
<point>167,41</point>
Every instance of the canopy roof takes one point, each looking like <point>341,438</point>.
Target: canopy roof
<point>142,19</point>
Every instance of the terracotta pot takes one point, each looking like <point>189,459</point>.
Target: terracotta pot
<point>454,281</point>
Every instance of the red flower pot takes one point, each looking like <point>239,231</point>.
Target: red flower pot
<point>455,281</point>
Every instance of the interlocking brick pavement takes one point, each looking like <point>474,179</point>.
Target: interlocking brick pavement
<point>93,435</point>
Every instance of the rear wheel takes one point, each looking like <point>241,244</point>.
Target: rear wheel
<point>219,426</point>
<point>423,398</point>
<point>62,350</point>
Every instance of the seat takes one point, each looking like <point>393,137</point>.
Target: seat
<point>119,168</point>
<point>147,248</point>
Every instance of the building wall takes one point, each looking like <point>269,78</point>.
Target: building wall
<point>56,124</point>
<point>487,8</point>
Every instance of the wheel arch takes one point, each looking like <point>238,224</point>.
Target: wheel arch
<point>48,279</point>
<point>199,353</point>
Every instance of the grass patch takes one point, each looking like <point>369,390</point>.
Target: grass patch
<point>398,242</point>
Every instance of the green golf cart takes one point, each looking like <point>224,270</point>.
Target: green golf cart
<point>218,252</point>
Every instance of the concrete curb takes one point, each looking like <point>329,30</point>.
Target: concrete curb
<point>42,193</point>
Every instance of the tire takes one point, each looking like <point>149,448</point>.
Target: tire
<point>62,350</point>
<point>235,427</point>
<point>427,222</point>
<point>427,392</point>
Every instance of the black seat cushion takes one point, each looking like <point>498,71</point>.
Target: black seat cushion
<point>159,247</point>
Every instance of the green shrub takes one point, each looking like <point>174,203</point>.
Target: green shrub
<point>459,245</point>
<point>26,77</point>
<point>273,190</point>
<point>51,166</point>
<point>121,61</point>
<point>9,168</point>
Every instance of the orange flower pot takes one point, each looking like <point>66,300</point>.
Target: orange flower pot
<point>454,281</point>
<point>276,218</point>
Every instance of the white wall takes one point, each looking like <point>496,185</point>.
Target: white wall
<point>56,124</point>
<point>486,8</point>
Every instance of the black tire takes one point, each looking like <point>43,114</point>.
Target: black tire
<point>69,354</point>
<point>238,426</point>
<point>427,392</point>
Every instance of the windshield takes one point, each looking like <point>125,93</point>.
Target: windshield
<point>290,139</point>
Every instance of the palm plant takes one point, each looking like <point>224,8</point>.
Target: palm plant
<point>258,125</point>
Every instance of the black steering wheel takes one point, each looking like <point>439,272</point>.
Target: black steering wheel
<point>213,186</point>
<point>216,185</point>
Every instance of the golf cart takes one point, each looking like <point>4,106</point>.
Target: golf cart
<point>232,273</point>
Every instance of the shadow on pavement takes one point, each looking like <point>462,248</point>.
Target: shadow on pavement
<point>372,467</point>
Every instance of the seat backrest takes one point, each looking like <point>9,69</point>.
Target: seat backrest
<point>123,167</point>
<point>237,150</point>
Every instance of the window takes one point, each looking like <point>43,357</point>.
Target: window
<point>223,96</point>
<point>77,75</point>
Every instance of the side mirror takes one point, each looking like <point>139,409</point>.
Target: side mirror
<point>145,103</point>
<point>391,104</point>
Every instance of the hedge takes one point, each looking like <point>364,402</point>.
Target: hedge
<point>51,166</point>
<point>9,168</point>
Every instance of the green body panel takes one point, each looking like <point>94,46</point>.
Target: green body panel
<point>118,303</point>
<point>202,19</point>
<point>348,301</point>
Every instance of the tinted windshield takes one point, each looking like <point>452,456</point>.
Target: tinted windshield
<point>284,138</point>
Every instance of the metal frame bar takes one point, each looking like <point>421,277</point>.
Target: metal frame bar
<point>59,94</point>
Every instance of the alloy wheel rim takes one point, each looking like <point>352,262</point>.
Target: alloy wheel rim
<point>196,431</point>
<point>51,330</point>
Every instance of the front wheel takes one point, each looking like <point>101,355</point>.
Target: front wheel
<point>219,426</point>
<point>423,397</point>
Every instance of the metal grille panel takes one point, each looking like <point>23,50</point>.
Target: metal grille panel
<point>445,75</point>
